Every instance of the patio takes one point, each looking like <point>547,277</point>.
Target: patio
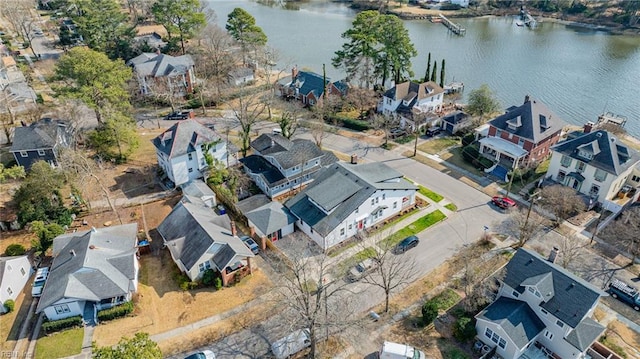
<point>537,351</point>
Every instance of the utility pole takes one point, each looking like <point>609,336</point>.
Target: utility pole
<point>595,230</point>
<point>534,197</point>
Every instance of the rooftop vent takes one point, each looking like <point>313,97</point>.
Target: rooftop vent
<point>92,247</point>
<point>72,252</point>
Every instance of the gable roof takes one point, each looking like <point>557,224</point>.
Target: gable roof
<point>411,91</point>
<point>92,265</point>
<point>5,260</point>
<point>160,65</point>
<point>184,137</point>
<point>310,83</point>
<point>585,334</point>
<point>43,134</point>
<point>288,153</point>
<point>270,217</point>
<point>532,120</point>
<point>339,189</point>
<point>190,231</point>
<point>609,154</point>
<point>516,318</point>
<point>572,297</point>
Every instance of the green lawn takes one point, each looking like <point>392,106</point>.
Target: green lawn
<point>60,345</point>
<point>454,156</point>
<point>437,145</point>
<point>414,228</point>
<point>452,207</point>
<point>436,197</point>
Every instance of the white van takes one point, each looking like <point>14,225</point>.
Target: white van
<point>399,351</point>
<point>291,344</point>
<point>276,131</point>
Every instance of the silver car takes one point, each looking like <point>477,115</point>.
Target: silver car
<point>362,269</point>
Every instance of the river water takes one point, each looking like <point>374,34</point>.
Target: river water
<point>578,73</point>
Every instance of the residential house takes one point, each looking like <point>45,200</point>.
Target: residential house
<point>164,74</point>
<point>309,87</point>
<point>456,121</point>
<point>596,164</point>
<point>347,198</point>
<point>241,76</point>
<point>199,239</point>
<point>151,35</point>
<point>92,270</point>
<point>270,221</point>
<point>411,102</point>
<point>41,141</point>
<point>14,275</point>
<point>522,135</point>
<point>16,93</point>
<point>180,150</point>
<point>200,190</point>
<point>541,310</point>
<point>280,165</point>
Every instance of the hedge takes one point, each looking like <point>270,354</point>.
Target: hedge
<point>57,325</point>
<point>15,250</point>
<point>115,312</point>
<point>472,155</point>
<point>357,125</point>
<point>10,305</point>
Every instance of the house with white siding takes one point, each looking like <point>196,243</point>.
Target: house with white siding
<point>407,99</point>
<point>14,275</point>
<point>347,198</point>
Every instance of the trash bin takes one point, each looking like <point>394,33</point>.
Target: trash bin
<point>221,209</point>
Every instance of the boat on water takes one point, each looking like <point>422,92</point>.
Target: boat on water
<point>519,23</point>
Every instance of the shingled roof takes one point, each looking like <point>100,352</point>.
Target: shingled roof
<point>92,265</point>
<point>270,217</point>
<point>184,137</point>
<point>43,134</point>
<point>339,189</point>
<point>160,65</point>
<point>532,120</point>
<point>516,318</point>
<point>288,153</point>
<point>606,151</point>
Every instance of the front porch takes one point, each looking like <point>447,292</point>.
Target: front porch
<point>506,153</point>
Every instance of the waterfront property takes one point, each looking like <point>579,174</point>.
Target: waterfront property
<point>309,87</point>
<point>158,73</point>
<point>410,101</point>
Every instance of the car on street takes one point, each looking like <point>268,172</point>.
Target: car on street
<point>407,244</point>
<point>362,269</point>
<point>291,344</point>
<point>178,115</point>
<point>205,354</point>
<point>397,132</point>
<point>503,202</point>
<point>251,244</point>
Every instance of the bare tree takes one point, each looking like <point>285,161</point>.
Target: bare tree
<point>288,121</point>
<point>215,58</point>
<point>248,111</point>
<point>318,131</point>
<point>570,248</point>
<point>562,201</point>
<point>624,231</point>
<point>21,18</point>
<point>362,99</point>
<point>522,224</point>
<point>78,114</point>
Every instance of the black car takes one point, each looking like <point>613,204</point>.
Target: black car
<point>407,244</point>
<point>178,115</point>
<point>433,131</point>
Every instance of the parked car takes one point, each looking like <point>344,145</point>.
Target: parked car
<point>39,281</point>
<point>362,269</point>
<point>397,132</point>
<point>291,344</point>
<point>391,350</point>
<point>503,202</point>
<point>433,131</point>
<point>205,354</point>
<point>626,293</point>
<point>178,115</point>
<point>407,244</point>
<point>251,244</point>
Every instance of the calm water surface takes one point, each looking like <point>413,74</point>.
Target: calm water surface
<point>577,73</point>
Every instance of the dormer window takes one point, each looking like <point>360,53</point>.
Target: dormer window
<point>514,123</point>
<point>587,155</point>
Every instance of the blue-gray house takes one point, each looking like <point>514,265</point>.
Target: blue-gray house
<point>41,141</point>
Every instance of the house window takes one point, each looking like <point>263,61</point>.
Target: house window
<point>373,201</point>
<point>520,142</point>
<point>502,343</point>
<point>635,178</point>
<point>498,133</point>
<point>24,154</point>
<point>377,199</point>
<point>600,175</point>
<point>342,231</point>
<point>23,272</point>
<point>515,294</point>
<point>561,176</point>
<point>548,334</point>
<point>9,290</point>
<point>190,156</point>
<point>384,196</point>
<point>544,311</point>
<point>594,190</point>
<point>530,289</point>
<point>350,226</point>
<point>559,323</point>
<point>62,309</point>
<point>357,210</point>
<point>204,266</point>
<point>488,333</point>
<point>580,166</point>
<point>40,152</point>
<point>495,337</point>
<point>565,161</point>
<point>395,205</point>
<point>202,162</point>
<point>190,170</point>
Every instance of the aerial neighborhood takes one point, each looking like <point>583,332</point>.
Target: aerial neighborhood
<point>172,185</point>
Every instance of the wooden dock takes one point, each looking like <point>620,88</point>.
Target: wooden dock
<point>452,26</point>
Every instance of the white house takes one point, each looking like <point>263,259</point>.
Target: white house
<point>347,198</point>
<point>541,311</point>
<point>92,270</point>
<point>199,239</point>
<point>14,274</point>
<point>165,74</point>
<point>180,150</point>
<point>407,99</point>
<point>595,163</point>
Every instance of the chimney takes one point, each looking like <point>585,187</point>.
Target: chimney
<point>354,159</point>
<point>294,72</point>
<point>553,254</point>
<point>273,143</point>
<point>93,229</point>
<point>527,99</point>
<point>234,232</point>
<point>588,127</point>
<point>158,51</point>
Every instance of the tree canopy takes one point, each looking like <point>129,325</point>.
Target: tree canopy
<point>482,101</point>
<point>140,346</point>
<point>242,27</point>
<point>377,47</point>
<point>183,18</point>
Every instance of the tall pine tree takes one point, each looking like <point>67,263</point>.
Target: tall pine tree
<point>442,75</point>
<point>426,75</point>
<point>434,73</point>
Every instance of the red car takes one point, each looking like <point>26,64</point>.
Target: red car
<point>503,202</point>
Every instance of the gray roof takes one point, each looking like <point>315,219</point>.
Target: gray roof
<point>516,318</point>
<point>286,152</point>
<point>159,65</point>
<point>456,117</point>
<point>197,188</point>
<point>343,188</point>
<point>3,263</point>
<point>249,204</point>
<point>609,153</point>
<point>585,334</point>
<point>572,297</point>
<point>43,134</point>
<point>544,283</point>
<point>92,265</point>
<point>241,72</point>
<point>533,119</point>
<point>270,217</point>
<point>184,137</point>
<point>190,230</point>
<point>412,92</point>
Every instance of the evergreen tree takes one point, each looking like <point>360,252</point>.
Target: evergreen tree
<point>434,73</point>
<point>428,73</point>
<point>442,75</point>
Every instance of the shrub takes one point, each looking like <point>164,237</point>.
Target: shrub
<point>429,312</point>
<point>464,329</point>
<point>10,305</point>
<point>56,325</point>
<point>468,139</point>
<point>357,125</point>
<point>115,312</point>
<point>208,277</point>
<point>188,285</point>
<point>15,250</point>
<point>218,282</point>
